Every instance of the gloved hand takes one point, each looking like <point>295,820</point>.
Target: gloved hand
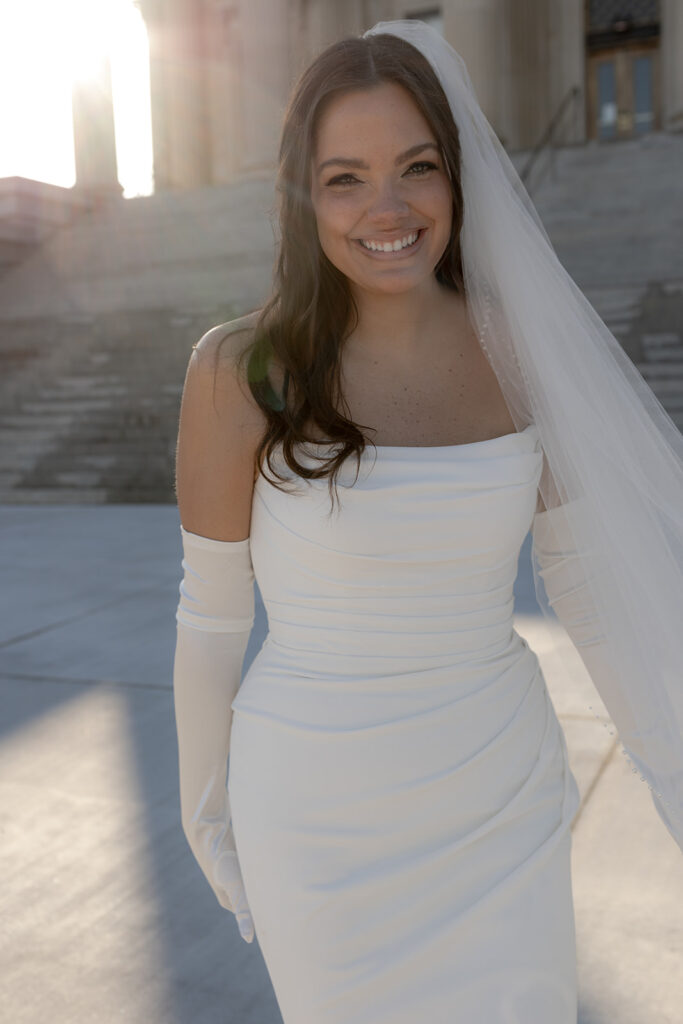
<point>214,619</point>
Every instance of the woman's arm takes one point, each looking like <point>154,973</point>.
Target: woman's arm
<point>217,439</point>
<point>218,434</point>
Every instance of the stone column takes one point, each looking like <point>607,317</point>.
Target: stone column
<point>567,66</point>
<point>224,89</point>
<point>157,32</point>
<point>473,28</point>
<point>542,57</point>
<point>180,121</point>
<point>264,82</point>
<point>526,72</point>
<point>672,64</point>
<point>94,140</point>
<point>338,21</point>
<point>314,24</point>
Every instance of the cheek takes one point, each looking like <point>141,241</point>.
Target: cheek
<point>441,201</point>
<point>332,228</point>
<point>335,215</point>
<point>442,210</point>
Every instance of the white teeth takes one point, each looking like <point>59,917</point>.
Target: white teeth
<point>400,243</point>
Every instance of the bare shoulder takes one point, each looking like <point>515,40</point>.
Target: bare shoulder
<point>226,342</point>
<point>220,427</point>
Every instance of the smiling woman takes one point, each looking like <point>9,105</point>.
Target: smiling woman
<point>396,824</point>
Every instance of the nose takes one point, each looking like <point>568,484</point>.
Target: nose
<point>388,205</point>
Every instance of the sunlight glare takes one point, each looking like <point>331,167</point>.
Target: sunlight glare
<point>37,69</point>
<point>87,41</point>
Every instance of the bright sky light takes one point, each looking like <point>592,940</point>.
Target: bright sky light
<point>44,45</point>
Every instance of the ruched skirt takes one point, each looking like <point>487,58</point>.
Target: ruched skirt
<point>405,840</point>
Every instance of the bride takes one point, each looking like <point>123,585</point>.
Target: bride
<point>372,447</point>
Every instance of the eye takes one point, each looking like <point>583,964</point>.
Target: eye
<point>340,179</point>
<point>422,167</point>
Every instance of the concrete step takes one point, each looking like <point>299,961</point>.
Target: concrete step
<point>54,496</point>
<point>667,387</point>
<point>662,370</point>
<point>663,340</point>
<point>100,421</point>
<point>47,422</point>
<point>673,403</point>
<point>88,389</point>
<point>661,359</point>
<point>66,406</point>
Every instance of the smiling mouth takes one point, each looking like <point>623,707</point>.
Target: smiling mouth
<point>398,245</point>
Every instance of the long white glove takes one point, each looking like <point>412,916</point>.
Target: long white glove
<point>565,585</point>
<point>214,619</point>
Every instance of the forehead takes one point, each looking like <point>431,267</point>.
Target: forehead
<point>381,114</point>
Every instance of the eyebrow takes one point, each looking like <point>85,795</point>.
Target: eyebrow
<point>344,161</point>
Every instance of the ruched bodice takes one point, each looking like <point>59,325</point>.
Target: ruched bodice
<point>415,567</point>
<point>431,565</point>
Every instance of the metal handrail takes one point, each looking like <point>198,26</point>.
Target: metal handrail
<point>570,96</point>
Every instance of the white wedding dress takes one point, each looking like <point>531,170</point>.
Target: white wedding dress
<point>400,790</point>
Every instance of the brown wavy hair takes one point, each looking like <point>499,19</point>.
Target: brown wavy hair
<point>311,309</point>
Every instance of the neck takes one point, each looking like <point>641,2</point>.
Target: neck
<point>400,323</point>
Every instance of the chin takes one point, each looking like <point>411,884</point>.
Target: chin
<point>391,285</point>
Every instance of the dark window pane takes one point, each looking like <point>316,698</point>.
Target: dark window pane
<point>642,91</point>
<point>607,100</point>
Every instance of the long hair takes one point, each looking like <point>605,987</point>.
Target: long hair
<point>311,309</point>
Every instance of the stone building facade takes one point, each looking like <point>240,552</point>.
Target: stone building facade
<point>221,71</point>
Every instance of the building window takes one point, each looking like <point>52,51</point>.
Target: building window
<point>622,68</point>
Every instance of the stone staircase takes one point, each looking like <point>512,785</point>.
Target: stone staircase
<point>94,418</point>
<point>183,251</point>
<point>648,322</point>
<point>614,210</point>
<point>96,329</point>
<point>662,366</point>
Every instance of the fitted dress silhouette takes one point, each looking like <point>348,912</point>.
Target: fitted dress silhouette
<point>399,783</point>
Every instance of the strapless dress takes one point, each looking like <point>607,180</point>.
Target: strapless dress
<point>399,782</point>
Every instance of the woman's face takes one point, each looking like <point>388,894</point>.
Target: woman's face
<point>379,183</point>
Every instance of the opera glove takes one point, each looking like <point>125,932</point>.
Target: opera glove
<point>214,618</point>
<point>567,590</point>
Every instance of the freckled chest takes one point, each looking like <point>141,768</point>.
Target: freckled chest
<point>449,396</point>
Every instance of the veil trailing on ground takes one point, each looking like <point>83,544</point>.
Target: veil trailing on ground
<point>612,477</point>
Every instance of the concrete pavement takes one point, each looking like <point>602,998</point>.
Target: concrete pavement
<point>105,916</point>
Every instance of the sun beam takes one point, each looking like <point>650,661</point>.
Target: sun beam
<point>46,46</point>
<point>87,42</point>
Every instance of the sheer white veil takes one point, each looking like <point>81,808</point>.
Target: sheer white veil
<point>613,458</point>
